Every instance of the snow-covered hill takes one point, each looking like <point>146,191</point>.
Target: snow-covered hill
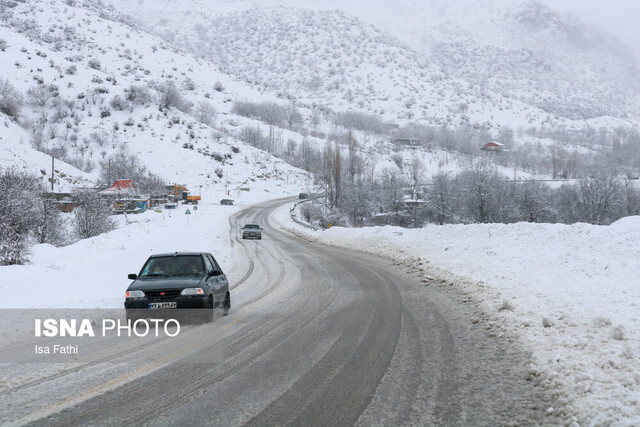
<point>18,154</point>
<point>92,84</point>
<point>508,63</point>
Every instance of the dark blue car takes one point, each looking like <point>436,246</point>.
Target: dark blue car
<point>180,280</point>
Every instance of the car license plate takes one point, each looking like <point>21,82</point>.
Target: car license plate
<point>163,304</point>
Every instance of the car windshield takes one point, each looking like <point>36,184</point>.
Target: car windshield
<point>173,266</point>
<point>252,226</point>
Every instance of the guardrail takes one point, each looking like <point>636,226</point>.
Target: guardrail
<point>294,218</point>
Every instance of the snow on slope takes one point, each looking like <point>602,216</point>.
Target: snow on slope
<point>16,154</point>
<point>84,56</point>
<point>571,294</point>
<point>493,58</point>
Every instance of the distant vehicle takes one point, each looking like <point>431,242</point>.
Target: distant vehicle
<point>252,231</point>
<point>180,280</point>
<point>302,196</point>
<point>176,192</point>
<point>189,199</point>
<point>227,202</point>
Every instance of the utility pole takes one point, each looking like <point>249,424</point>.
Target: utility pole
<point>53,171</point>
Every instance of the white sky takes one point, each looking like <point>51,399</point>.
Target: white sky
<point>618,17</point>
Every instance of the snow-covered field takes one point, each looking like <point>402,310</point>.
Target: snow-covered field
<point>571,294</point>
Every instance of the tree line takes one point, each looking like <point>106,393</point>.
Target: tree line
<point>30,215</point>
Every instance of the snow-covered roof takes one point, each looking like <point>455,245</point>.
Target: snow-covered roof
<point>120,186</point>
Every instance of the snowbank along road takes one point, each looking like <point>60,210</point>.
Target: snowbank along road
<point>316,335</point>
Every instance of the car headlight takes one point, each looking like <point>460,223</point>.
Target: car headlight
<point>134,294</point>
<point>192,291</point>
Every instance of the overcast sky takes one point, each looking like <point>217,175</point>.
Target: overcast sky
<point>619,17</point>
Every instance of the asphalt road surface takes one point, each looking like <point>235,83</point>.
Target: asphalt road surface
<point>316,336</point>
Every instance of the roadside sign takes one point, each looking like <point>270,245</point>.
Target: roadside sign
<point>188,212</point>
<point>195,208</point>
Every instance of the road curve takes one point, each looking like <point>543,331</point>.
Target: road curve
<point>316,336</point>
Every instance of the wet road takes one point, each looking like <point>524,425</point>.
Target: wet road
<point>316,336</point>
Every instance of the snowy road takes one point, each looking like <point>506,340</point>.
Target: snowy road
<point>316,335</point>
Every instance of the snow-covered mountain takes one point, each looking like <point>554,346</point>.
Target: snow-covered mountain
<point>509,63</point>
<point>89,84</point>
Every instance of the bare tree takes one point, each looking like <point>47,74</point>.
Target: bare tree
<point>170,96</point>
<point>39,95</point>
<point>206,113</point>
<point>138,95</point>
<point>479,185</point>
<point>391,193</point>
<point>533,201</point>
<point>292,115</point>
<point>18,215</point>
<point>442,197</point>
<point>599,197</point>
<point>92,215</point>
<point>10,99</point>
<point>416,175</point>
<point>49,226</point>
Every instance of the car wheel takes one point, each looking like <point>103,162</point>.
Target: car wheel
<point>226,305</point>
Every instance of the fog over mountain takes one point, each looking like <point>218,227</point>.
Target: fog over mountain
<point>509,51</point>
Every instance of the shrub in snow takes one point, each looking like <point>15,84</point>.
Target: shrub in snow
<point>3,45</point>
<point>49,226</point>
<point>618,333</point>
<point>601,322</point>
<point>546,322</point>
<point>189,84</point>
<point>10,99</point>
<point>94,63</point>
<point>206,113</point>
<point>218,87</point>
<point>39,95</point>
<point>219,172</point>
<point>361,121</point>
<point>170,97</point>
<point>507,305</point>
<point>270,112</point>
<point>139,95</point>
<point>92,215</point>
<point>14,249</point>
<point>118,104</point>
<point>19,194</point>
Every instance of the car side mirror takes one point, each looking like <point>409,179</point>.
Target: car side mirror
<point>132,276</point>
<point>215,273</point>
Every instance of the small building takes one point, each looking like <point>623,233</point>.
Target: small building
<point>130,206</point>
<point>120,187</point>
<point>493,146</point>
<point>63,201</point>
